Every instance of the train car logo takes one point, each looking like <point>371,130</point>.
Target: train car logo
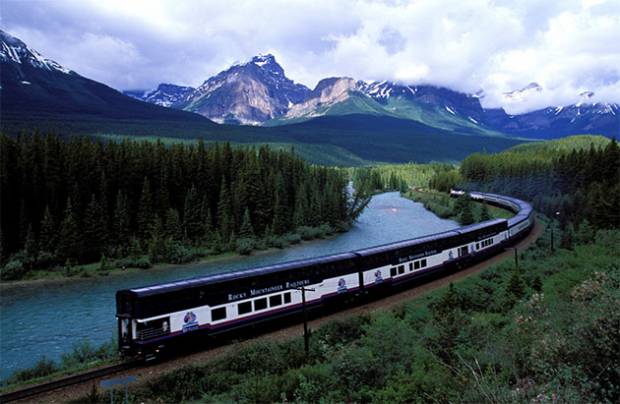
<point>190,322</point>
<point>378,276</point>
<point>342,285</point>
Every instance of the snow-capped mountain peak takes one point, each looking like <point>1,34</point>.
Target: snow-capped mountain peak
<point>166,95</point>
<point>523,93</point>
<point>14,50</point>
<point>262,60</point>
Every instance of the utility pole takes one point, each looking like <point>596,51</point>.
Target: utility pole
<point>303,306</point>
<point>552,224</point>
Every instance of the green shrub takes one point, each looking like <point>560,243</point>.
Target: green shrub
<point>278,242</point>
<point>44,367</point>
<point>245,246</point>
<point>141,262</point>
<point>84,352</point>
<point>292,238</point>
<point>325,230</point>
<point>307,232</point>
<point>177,253</point>
<point>13,270</point>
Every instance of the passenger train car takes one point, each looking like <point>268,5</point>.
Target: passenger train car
<point>157,317</point>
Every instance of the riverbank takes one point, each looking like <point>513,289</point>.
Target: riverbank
<point>93,270</point>
<point>442,205</point>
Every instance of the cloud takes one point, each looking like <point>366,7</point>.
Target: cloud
<point>566,47</point>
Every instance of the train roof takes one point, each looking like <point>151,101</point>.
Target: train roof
<point>477,226</point>
<point>406,243</point>
<point>234,275</point>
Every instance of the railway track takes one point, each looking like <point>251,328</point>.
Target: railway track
<point>382,303</point>
<point>65,381</point>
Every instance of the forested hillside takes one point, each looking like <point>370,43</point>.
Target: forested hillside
<point>78,200</point>
<point>572,184</point>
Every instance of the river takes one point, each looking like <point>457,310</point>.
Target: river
<point>42,319</point>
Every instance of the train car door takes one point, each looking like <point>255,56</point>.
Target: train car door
<point>463,251</point>
<point>124,331</point>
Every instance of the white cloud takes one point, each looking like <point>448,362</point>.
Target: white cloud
<point>566,46</point>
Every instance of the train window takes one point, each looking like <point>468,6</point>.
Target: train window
<point>275,300</point>
<point>417,265</point>
<point>477,246</point>
<point>218,314</point>
<point>260,304</point>
<point>287,297</point>
<point>423,264</point>
<point>410,267</point>
<point>244,307</point>
<point>401,269</point>
<point>393,271</point>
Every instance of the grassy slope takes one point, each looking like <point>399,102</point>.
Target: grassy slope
<point>397,108</point>
<point>551,148</point>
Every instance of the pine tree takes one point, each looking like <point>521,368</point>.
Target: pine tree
<point>157,243</point>
<point>585,233</point>
<point>280,210</point>
<point>30,246</point>
<point>122,221</point>
<point>48,232</point>
<point>172,226</point>
<point>69,241</point>
<point>301,207</point>
<point>466,217</point>
<point>247,230</point>
<point>145,211</point>
<point>192,221</point>
<point>94,229</point>
<point>515,286</point>
<point>224,213</point>
<point>484,213</point>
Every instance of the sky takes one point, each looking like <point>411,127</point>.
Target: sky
<point>565,46</point>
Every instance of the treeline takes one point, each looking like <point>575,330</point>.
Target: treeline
<point>398,177</point>
<point>580,185</point>
<point>78,199</point>
<point>371,180</point>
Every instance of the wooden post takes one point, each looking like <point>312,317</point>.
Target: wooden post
<point>305,312</point>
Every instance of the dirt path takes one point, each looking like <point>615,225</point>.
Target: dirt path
<point>148,373</point>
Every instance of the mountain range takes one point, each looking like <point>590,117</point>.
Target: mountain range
<point>341,121</point>
<point>259,93</point>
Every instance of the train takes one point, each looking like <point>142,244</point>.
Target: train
<point>156,318</point>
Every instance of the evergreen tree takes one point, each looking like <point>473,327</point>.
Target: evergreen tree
<point>515,286</point>
<point>192,220</point>
<point>225,215</point>
<point>466,217</point>
<point>48,232</point>
<point>145,211</point>
<point>484,212</point>
<point>247,230</point>
<point>69,240</point>
<point>172,226</point>
<point>94,229</point>
<point>122,221</point>
<point>585,233</point>
<point>279,224</point>
<point>30,246</point>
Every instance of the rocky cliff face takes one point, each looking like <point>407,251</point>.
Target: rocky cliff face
<point>248,93</point>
